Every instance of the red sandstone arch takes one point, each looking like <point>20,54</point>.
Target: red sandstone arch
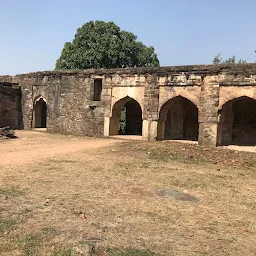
<point>178,119</point>
<point>237,124</point>
<point>40,112</point>
<point>133,117</point>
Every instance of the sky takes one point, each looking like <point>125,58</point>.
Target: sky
<point>183,32</point>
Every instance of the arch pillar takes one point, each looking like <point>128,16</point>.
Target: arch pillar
<point>149,130</point>
<point>208,111</point>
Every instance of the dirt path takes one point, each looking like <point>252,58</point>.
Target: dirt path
<point>242,148</point>
<point>25,150</point>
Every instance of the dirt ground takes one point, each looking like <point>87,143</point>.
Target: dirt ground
<point>68,195</point>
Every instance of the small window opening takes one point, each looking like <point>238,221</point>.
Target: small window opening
<point>97,89</point>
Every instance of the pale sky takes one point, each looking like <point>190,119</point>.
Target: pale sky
<point>33,32</point>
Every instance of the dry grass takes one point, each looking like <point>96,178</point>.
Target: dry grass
<point>105,200</point>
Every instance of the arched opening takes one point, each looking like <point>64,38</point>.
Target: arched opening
<point>126,118</point>
<point>40,113</point>
<point>178,120</point>
<point>237,124</point>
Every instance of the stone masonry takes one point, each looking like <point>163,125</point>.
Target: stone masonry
<point>10,106</point>
<point>72,108</point>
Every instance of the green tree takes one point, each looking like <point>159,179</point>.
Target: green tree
<point>218,60</point>
<point>122,123</point>
<point>102,44</point>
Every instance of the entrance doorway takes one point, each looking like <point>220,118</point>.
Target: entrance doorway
<point>40,113</point>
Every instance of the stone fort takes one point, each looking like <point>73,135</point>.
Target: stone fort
<point>214,104</point>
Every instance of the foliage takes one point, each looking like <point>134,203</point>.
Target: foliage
<point>122,123</point>
<point>102,44</point>
<point>232,60</point>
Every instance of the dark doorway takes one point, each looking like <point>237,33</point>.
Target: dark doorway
<point>178,120</point>
<point>40,113</point>
<point>238,122</point>
<point>133,117</point>
<point>126,118</point>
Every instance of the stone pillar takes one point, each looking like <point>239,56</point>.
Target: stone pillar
<point>27,106</point>
<point>106,126</point>
<point>153,130</point>
<point>208,111</point>
<point>151,103</point>
<point>106,98</point>
<point>207,134</point>
<point>145,129</point>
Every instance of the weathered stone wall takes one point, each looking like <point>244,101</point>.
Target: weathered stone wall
<point>70,108</point>
<point>10,106</point>
<point>69,94</point>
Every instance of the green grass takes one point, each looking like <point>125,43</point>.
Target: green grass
<point>11,192</point>
<point>64,251</point>
<point>29,244</point>
<point>50,232</point>
<point>130,252</point>
<point>7,224</point>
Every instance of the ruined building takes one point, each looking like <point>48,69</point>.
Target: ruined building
<point>214,104</point>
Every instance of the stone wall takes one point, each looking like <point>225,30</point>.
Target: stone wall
<point>71,109</point>
<point>10,106</point>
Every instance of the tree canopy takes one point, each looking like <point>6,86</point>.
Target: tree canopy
<point>232,60</point>
<point>102,44</point>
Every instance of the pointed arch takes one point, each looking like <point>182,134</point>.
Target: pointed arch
<point>237,124</point>
<point>184,95</point>
<point>40,112</point>
<point>235,95</point>
<point>131,114</point>
<point>178,119</point>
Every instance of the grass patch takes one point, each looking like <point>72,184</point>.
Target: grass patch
<point>64,251</point>
<point>11,192</point>
<point>221,176</point>
<point>7,224</point>
<point>30,243</point>
<point>130,252</point>
<point>48,231</point>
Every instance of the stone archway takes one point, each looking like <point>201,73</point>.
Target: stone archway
<point>237,123</point>
<point>129,111</point>
<point>178,120</point>
<point>40,113</point>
